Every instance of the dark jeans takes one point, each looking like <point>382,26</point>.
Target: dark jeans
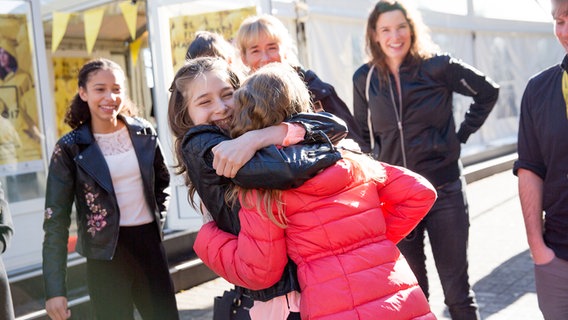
<point>447,225</point>
<point>137,275</point>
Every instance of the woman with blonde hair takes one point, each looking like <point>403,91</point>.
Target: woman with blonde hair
<point>264,39</point>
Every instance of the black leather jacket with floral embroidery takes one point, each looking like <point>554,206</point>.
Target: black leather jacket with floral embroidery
<point>78,174</point>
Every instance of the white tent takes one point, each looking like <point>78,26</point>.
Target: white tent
<point>509,40</point>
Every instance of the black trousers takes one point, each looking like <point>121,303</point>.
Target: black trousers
<point>138,275</point>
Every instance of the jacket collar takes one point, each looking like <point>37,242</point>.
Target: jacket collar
<point>135,127</point>
<point>564,64</point>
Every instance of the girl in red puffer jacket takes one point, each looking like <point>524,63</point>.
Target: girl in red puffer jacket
<point>340,227</point>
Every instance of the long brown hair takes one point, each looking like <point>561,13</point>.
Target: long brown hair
<point>268,97</point>
<point>178,115</point>
<point>421,46</point>
<point>78,111</point>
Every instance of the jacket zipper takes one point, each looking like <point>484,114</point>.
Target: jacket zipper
<point>398,114</point>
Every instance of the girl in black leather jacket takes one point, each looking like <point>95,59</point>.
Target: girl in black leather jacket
<point>200,109</point>
<point>112,168</point>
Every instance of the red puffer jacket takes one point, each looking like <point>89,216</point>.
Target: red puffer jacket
<point>341,233</point>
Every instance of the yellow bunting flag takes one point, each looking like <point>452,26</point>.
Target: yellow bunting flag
<point>134,50</point>
<point>59,26</point>
<point>92,19</point>
<point>130,14</point>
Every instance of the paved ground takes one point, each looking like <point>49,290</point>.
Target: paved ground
<point>500,264</point>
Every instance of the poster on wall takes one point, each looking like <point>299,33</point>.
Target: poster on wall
<point>183,28</point>
<point>65,71</point>
<point>20,135</point>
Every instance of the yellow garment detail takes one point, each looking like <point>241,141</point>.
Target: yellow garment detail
<point>565,90</point>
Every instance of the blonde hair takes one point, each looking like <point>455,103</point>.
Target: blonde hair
<point>268,97</point>
<point>253,27</point>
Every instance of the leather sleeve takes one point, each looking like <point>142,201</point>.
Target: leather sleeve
<point>360,103</point>
<point>332,126</point>
<point>161,183</point>
<point>468,81</point>
<point>210,187</point>
<point>60,191</point>
<point>270,168</point>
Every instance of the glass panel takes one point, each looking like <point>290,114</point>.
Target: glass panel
<point>185,23</point>
<point>21,140</point>
<point>172,25</point>
<point>65,71</point>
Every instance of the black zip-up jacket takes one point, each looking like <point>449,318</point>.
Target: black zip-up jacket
<point>270,168</point>
<point>425,137</point>
<point>324,95</point>
<point>78,173</point>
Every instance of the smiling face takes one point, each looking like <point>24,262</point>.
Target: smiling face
<point>393,34</point>
<point>104,93</point>
<point>262,52</point>
<point>210,100</point>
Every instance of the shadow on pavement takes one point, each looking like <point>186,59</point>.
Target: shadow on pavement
<point>505,284</point>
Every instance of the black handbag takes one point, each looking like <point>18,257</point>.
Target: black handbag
<point>232,305</point>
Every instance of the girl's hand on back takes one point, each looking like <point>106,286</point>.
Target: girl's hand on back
<point>229,156</point>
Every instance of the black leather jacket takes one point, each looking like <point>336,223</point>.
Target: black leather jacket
<point>270,168</point>
<point>78,174</point>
